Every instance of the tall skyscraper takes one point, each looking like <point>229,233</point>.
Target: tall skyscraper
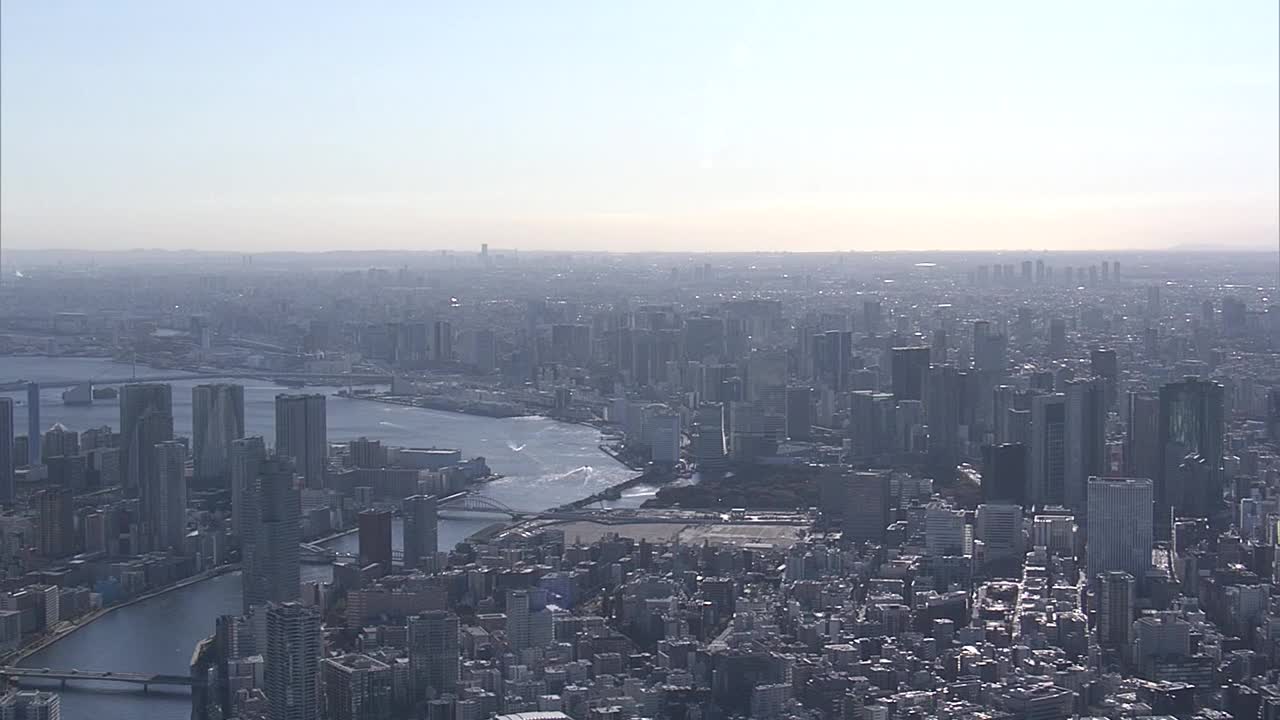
<point>909,371</point>
<point>146,418</point>
<point>375,538</point>
<point>1057,338</point>
<point>7,460</point>
<point>866,514</point>
<point>33,424</point>
<point>1103,363</point>
<point>272,566</point>
<point>1191,441</point>
<point>519,608</point>
<point>1004,473</point>
<point>942,410</point>
<point>55,522</point>
<point>292,672</point>
<point>1120,534</point>
<point>1116,603</point>
<point>1142,436</point>
<point>246,457</point>
<point>433,654</point>
<point>217,419</point>
<point>420,529</point>
<point>1048,443</point>
<point>1085,437</point>
<point>164,498</point>
<point>302,434</point>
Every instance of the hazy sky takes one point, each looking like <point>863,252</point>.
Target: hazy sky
<point>692,124</point>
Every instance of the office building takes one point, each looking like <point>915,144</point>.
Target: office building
<point>1004,473</point>
<point>944,392</point>
<point>1057,338</point>
<point>1085,435</point>
<point>55,521</point>
<point>799,413</point>
<point>375,538</point>
<point>420,529</point>
<point>1142,436</point>
<point>442,341</point>
<point>946,532</point>
<point>8,488</point>
<point>146,418</point>
<point>272,566</point>
<point>1191,441</point>
<point>1117,600</point>
<point>217,420</point>
<point>301,433</point>
<point>33,424</point>
<point>998,527</point>
<point>164,498</point>
<point>246,456</point>
<point>1119,533</point>
<point>58,441</point>
<point>292,671</point>
<point>866,506</point>
<point>356,687</point>
<point>1104,364</point>
<point>909,372</point>
<point>433,654</point>
<point>1048,446</point>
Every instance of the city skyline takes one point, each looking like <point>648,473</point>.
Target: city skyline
<point>720,127</point>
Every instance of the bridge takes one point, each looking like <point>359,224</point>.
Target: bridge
<point>146,680</point>
<point>341,378</point>
<point>469,502</point>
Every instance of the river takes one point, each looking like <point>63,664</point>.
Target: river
<point>544,462</point>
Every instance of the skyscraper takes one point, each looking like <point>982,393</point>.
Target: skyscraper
<point>301,433</point>
<point>1116,603</point>
<point>146,418</point>
<point>420,529</point>
<point>1142,436</point>
<point>33,424</point>
<point>909,369</point>
<point>1120,532</point>
<point>942,410</point>
<point>1004,473</point>
<point>7,460</point>
<point>433,654</point>
<point>375,538</point>
<point>164,498</point>
<point>1085,436</point>
<point>246,457</point>
<point>1048,443</point>
<point>271,559</point>
<point>1190,436</point>
<point>55,522</point>
<point>292,672</point>
<point>217,419</point>
<point>866,514</point>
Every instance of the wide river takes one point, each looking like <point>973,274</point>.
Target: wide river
<point>545,463</point>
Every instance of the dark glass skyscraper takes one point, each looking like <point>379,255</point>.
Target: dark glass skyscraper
<point>909,370</point>
<point>1191,441</point>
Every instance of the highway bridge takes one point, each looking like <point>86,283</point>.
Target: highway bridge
<point>146,680</point>
<point>334,378</point>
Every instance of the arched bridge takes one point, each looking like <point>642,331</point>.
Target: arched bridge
<point>477,503</point>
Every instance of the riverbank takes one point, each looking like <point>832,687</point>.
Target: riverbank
<point>443,404</point>
<point>87,619</point>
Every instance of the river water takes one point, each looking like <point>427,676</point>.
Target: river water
<point>545,463</point>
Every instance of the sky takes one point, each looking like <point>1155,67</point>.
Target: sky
<point>718,125</point>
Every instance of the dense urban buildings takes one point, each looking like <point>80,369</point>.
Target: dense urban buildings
<point>1003,485</point>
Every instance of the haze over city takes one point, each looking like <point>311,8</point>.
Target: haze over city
<point>719,125</point>
<point>639,361</point>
